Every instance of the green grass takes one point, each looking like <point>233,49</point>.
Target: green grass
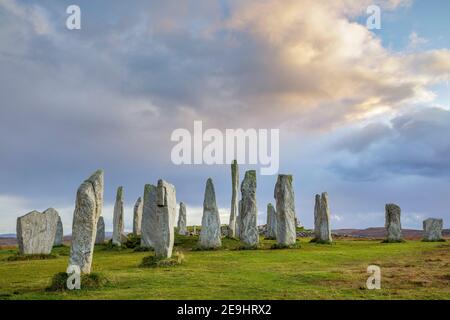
<point>410,270</point>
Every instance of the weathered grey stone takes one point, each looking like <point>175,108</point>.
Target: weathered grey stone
<point>118,223</point>
<point>432,229</point>
<point>137,216</point>
<point>317,216</point>
<point>248,229</point>
<point>271,224</point>
<point>59,233</point>
<point>210,235</point>
<point>36,231</point>
<point>194,230</point>
<point>182,229</point>
<point>88,209</point>
<point>238,220</point>
<point>285,208</point>
<point>100,237</point>
<point>149,223</point>
<point>322,230</point>
<point>393,224</point>
<point>166,205</point>
<point>234,200</point>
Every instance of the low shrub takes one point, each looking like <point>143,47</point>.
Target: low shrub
<point>88,281</point>
<point>133,241</point>
<point>159,262</point>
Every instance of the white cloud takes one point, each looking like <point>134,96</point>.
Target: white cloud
<point>415,41</point>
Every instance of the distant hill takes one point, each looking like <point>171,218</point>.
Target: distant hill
<point>380,233</point>
<point>8,235</point>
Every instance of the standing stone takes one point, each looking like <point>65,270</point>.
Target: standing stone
<point>234,201</point>
<point>36,231</point>
<point>393,224</point>
<point>88,209</point>
<point>271,226</point>
<point>166,206</point>
<point>182,229</point>
<point>317,216</point>
<point>149,223</point>
<point>59,233</point>
<point>194,230</point>
<point>238,220</point>
<point>210,235</point>
<point>118,225</point>
<point>248,229</point>
<point>432,229</point>
<point>137,217</point>
<point>100,237</point>
<point>322,230</point>
<point>285,202</point>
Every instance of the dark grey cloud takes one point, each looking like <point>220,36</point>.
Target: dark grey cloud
<point>414,143</point>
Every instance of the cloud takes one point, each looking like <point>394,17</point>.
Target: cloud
<point>413,143</point>
<point>415,41</point>
<point>108,96</point>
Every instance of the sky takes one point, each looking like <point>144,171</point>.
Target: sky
<point>363,114</point>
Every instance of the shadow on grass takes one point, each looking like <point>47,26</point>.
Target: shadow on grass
<point>26,257</point>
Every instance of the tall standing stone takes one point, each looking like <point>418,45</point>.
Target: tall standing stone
<point>238,220</point>
<point>234,200</point>
<point>100,237</point>
<point>182,229</point>
<point>88,209</point>
<point>432,229</point>
<point>271,224</point>
<point>317,215</point>
<point>137,216</point>
<point>36,231</point>
<point>285,203</point>
<point>210,235</point>
<point>248,229</point>
<point>393,224</point>
<point>59,233</point>
<point>118,223</point>
<point>149,223</point>
<point>322,230</point>
<point>166,205</point>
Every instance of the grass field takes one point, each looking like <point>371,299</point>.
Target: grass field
<point>411,270</point>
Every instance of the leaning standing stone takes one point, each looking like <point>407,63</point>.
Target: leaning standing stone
<point>166,205</point>
<point>271,229</point>
<point>100,237</point>
<point>137,217</point>
<point>393,224</point>
<point>234,201</point>
<point>118,225</point>
<point>88,209</point>
<point>248,216</point>
<point>59,233</point>
<point>36,232</point>
<point>432,229</point>
<point>285,202</point>
<point>211,232</point>
<point>149,223</point>
<point>182,229</point>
